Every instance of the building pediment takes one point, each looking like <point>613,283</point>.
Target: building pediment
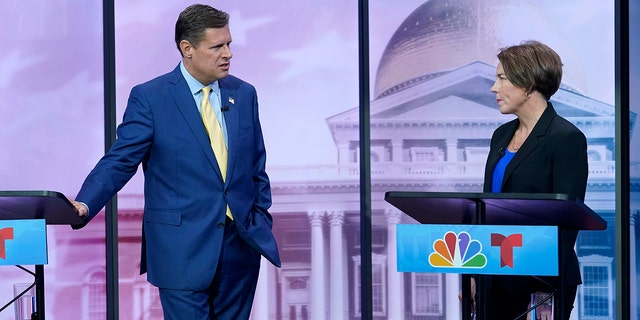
<point>460,95</point>
<point>447,108</point>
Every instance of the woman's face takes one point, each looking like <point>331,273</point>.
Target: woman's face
<point>508,96</point>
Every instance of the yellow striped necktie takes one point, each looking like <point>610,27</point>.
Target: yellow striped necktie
<point>214,129</point>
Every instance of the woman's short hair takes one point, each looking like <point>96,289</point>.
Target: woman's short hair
<point>532,65</point>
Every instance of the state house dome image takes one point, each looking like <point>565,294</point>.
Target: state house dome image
<point>441,35</point>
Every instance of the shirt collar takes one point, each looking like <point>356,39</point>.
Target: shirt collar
<point>194,85</point>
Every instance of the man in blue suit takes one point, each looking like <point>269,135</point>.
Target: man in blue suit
<point>204,229</point>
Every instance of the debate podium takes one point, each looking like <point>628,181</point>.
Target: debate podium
<point>52,207</point>
<point>501,209</point>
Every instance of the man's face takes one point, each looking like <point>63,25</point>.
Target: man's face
<point>210,60</point>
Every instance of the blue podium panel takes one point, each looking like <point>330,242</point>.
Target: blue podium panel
<point>23,242</point>
<point>478,249</point>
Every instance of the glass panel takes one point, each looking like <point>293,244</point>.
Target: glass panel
<point>433,114</point>
<point>634,106</point>
<point>302,60</point>
<point>51,106</point>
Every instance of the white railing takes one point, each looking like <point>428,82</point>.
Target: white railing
<point>412,171</point>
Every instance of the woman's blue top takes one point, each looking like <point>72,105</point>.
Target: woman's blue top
<point>498,171</point>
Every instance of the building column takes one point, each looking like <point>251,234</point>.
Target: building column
<point>395,291</point>
<point>260,309</point>
<point>343,152</point>
<point>317,291</point>
<point>396,150</point>
<point>452,150</point>
<point>337,297</point>
<point>451,301</point>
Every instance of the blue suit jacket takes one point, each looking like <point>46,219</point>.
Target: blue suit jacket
<point>553,159</point>
<point>185,196</point>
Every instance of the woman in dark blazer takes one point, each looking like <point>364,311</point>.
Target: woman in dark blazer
<point>538,152</point>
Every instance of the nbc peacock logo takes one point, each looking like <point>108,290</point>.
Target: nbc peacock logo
<point>457,251</point>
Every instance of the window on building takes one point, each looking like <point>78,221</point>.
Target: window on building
<point>599,153</point>
<point>298,283</point>
<point>378,238</point>
<point>596,290</point>
<point>97,296</point>
<point>378,285</point>
<point>292,313</point>
<point>151,306</point>
<point>427,154</point>
<point>295,246</point>
<point>426,294</point>
<point>591,240</point>
<point>298,312</point>
<point>377,154</point>
<point>378,289</point>
<point>295,291</point>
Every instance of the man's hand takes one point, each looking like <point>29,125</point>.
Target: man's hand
<point>81,208</point>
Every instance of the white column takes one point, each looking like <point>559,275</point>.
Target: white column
<point>395,292</point>
<point>452,150</point>
<point>260,309</point>
<point>343,152</point>
<point>317,292</point>
<point>452,304</point>
<point>396,150</point>
<point>337,299</point>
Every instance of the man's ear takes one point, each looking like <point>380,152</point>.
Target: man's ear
<point>186,48</point>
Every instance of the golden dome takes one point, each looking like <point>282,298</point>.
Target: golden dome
<point>442,35</point>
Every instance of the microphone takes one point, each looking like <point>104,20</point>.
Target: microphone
<point>225,108</point>
<point>501,151</point>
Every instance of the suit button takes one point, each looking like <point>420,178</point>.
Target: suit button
<point>226,192</point>
<point>221,225</point>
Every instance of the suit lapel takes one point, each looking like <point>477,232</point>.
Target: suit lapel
<point>532,142</point>
<point>230,103</point>
<point>183,100</point>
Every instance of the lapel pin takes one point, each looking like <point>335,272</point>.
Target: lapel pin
<point>231,100</point>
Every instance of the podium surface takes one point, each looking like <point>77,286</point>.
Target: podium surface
<point>52,206</point>
<point>499,209</point>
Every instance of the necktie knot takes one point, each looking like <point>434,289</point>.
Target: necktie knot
<point>205,93</point>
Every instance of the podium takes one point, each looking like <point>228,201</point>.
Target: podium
<point>519,209</point>
<point>52,207</point>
